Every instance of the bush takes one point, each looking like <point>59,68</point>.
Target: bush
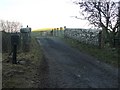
<point>6,42</point>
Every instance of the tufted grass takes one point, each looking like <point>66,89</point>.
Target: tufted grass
<point>22,75</point>
<point>107,55</point>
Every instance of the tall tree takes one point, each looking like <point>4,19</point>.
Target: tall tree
<point>118,34</point>
<point>102,14</point>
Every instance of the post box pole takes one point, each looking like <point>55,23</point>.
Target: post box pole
<point>14,61</point>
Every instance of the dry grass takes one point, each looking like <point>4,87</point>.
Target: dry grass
<point>22,75</point>
<point>107,55</point>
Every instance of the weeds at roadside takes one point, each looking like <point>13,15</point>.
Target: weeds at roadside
<point>107,55</point>
<point>22,75</point>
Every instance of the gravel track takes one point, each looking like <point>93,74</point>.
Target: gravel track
<point>65,67</point>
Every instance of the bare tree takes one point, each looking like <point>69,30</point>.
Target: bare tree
<point>2,25</point>
<point>8,26</point>
<point>118,34</point>
<point>102,14</point>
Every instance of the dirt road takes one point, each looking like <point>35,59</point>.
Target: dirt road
<point>65,67</point>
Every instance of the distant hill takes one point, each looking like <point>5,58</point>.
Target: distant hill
<point>46,29</point>
<point>43,29</point>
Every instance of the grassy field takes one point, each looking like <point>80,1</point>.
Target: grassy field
<point>22,75</point>
<point>107,55</point>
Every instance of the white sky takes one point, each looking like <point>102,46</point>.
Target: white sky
<point>41,13</point>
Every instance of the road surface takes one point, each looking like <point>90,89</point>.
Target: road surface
<point>65,67</point>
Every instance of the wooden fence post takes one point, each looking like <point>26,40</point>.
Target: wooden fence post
<point>100,39</point>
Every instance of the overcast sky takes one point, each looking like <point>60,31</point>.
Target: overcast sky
<point>42,13</point>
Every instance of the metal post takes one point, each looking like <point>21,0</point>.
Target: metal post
<point>100,39</point>
<point>14,61</point>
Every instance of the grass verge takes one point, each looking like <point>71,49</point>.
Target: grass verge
<point>108,55</point>
<point>22,75</point>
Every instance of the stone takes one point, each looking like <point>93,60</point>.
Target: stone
<point>22,62</point>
